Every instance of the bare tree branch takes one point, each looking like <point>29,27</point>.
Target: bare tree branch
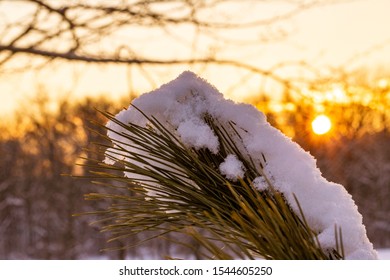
<point>71,56</point>
<point>101,31</point>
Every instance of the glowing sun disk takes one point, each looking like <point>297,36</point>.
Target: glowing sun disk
<point>321,124</point>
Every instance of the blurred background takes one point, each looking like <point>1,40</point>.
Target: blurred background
<point>319,70</point>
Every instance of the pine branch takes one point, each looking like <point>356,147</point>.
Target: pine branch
<point>179,189</point>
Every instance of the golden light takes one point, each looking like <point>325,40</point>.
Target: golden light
<point>321,124</point>
<point>383,83</point>
<point>336,94</point>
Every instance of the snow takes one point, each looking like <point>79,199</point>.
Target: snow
<point>260,183</point>
<point>197,134</point>
<point>384,254</point>
<point>232,168</point>
<point>182,104</point>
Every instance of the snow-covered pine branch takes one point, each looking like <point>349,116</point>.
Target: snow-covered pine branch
<point>191,150</point>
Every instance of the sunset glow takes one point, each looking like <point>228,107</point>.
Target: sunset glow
<point>306,36</point>
<point>321,125</point>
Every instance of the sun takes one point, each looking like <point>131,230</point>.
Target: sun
<point>321,124</point>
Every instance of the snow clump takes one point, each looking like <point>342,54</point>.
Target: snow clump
<point>260,183</point>
<point>232,168</point>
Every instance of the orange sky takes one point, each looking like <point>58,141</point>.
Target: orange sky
<point>326,36</point>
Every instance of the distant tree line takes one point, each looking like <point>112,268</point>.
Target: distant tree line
<point>37,197</point>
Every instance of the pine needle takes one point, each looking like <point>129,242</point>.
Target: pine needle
<point>173,188</point>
